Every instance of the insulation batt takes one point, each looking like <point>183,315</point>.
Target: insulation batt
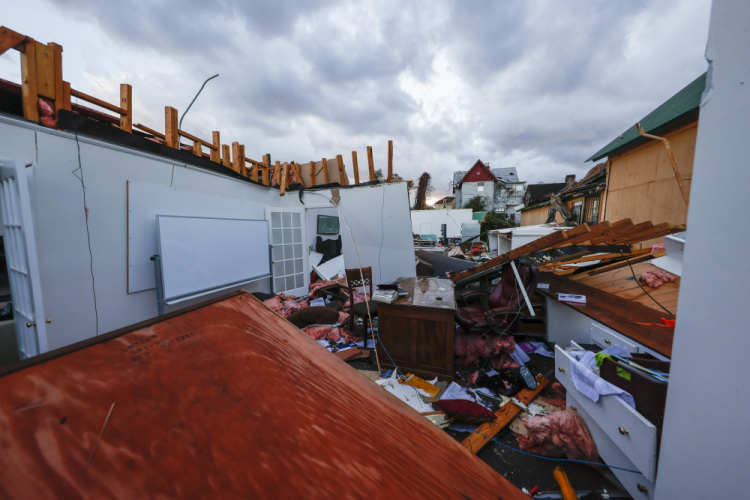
<point>655,278</point>
<point>47,113</point>
<point>557,435</point>
<point>504,362</point>
<point>470,348</point>
<point>319,284</point>
<point>323,332</point>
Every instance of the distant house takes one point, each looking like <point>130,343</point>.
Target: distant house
<point>447,203</point>
<point>582,199</point>
<point>539,193</point>
<point>500,187</point>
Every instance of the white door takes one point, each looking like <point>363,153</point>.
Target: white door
<point>288,255</point>
<point>425,228</point>
<point>20,252</point>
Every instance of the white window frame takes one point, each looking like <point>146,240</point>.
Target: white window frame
<point>297,290</point>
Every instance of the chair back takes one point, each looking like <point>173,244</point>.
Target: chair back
<point>506,293</point>
<point>356,279</point>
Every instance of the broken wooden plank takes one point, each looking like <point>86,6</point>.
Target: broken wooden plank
<point>617,236</point>
<point>29,94</point>
<point>126,103</point>
<point>60,97</point>
<point>657,232</point>
<point>505,415</point>
<point>371,163</point>
<point>283,177</point>
<point>226,158</point>
<point>593,231</point>
<point>153,132</point>
<point>103,104</point>
<point>312,174</point>
<point>215,152</point>
<point>342,174</point>
<point>607,256</point>
<point>326,180</point>
<point>390,161</point>
<point>298,173</point>
<point>9,39</point>
<point>534,246</point>
<point>615,227</point>
<point>626,262</point>
<point>170,129</point>
<point>356,167</point>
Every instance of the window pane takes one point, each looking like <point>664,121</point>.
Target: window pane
<point>300,279</point>
<point>278,253</point>
<point>287,219</point>
<point>287,235</point>
<point>288,252</point>
<point>297,265</point>
<point>289,267</point>
<point>275,219</point>
<point>298,250</point>
<point>297,233</point>
<point>296,220</point>
<point>278,269</point>
<point>277,236</point>
<point>279,285</point>
<point>290,282</point>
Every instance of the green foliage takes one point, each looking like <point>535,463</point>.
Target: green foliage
<point>476,204</point>
<point>496,221</point>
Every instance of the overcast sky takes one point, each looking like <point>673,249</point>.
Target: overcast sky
<point>538,85</point>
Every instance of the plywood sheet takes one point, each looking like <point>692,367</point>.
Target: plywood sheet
<point>225,401</point>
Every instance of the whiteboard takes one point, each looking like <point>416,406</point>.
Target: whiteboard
<point>145,201</point>
<point>202,253</point>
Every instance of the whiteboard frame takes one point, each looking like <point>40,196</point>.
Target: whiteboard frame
<point>159,270</point>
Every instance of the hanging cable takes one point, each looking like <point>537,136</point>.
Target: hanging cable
<point>644,290</point>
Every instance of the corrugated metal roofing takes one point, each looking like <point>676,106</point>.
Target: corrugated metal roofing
<point>228,400</point>
<point>683,102</point>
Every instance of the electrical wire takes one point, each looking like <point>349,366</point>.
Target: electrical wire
<point>644,290</point>
<point>554,459</point>
<point>88,232</point>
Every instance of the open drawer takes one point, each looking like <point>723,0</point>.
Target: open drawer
<point>635,436</point>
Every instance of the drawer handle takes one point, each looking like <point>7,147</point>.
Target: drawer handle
<point>562,369</point>
<point>642,488</point>
<point>574,408</point>
<point>607,341</point>
<point>623,431</point>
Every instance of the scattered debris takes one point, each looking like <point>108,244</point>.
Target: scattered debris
<point>557,435</point>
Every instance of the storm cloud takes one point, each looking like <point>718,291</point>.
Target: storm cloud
<point>539,85</point>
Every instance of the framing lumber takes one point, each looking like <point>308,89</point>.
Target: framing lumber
<point>607,256</point>
<point>618,235</point>
<point>60,97</point>
<point>594,230</point>
<point>196,139</point>
<point>534,246</point>
<point>298,172</point>
<point>238,159</point>
<point>625,262</point>
<point>9,39</point>
<point>45,71</point>
<point>371,163</point>
<point>106,105</point>
<point>325,171</point>
<point>197,149</point>
<point>153,132</point>
<point>342,174</point>
<point>355,166</point>
<point>282,183</point>
<point>29,93</point>
<point>390,161</point>
<point>171,133</point>
<point>65,101</point>
<point>475,442</point>
<point>126,103</point>
<point>312,174</point>
<point>656,232</point>
<point>226,156</point>
<point>215,152</point>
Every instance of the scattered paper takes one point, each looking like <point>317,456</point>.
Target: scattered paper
<point>405,393</point>
<point>455,391</point>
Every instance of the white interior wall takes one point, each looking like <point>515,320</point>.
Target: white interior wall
<point>60,224</point>
<point>451,218</point>
<point>312,223</point>
<point>705,439</point>
<point>381,227</point>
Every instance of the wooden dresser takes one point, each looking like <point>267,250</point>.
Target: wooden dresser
<point>417,330</point>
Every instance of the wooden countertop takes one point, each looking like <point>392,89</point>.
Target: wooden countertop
<point>615,312</point>
<point>435,293</point>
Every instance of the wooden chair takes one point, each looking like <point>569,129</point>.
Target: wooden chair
<point>356,279</point>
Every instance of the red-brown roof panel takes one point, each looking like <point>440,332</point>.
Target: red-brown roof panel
<point>225,401</point>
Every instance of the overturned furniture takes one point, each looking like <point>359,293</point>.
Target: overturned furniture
<point>225,400</point>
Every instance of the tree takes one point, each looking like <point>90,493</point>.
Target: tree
<point>496,221</point>
<point>476,204</point>
<point>380,177</point>
<point>424,189</point>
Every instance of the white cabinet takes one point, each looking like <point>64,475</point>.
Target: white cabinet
<point>606,337</point>
<point>635,436</point>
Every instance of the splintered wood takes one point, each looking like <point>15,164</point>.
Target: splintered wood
<point>508,412</point>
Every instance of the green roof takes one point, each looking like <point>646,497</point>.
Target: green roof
<point>683,102</point>
<point>532,207</point>
<point>478,216</point>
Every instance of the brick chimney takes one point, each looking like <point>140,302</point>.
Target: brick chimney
<point>570,179</point>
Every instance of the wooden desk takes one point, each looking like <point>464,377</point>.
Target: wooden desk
<point>617,313</point>
<point>417,330</point>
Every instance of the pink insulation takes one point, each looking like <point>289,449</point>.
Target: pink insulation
<point>474,378</point>
<point>47,113</point>
<point>285,306</point>
<point>323,332</point>
<point>557,435</point>
<point>319,284</point>
<point>658,247</point>
<point>504,362</point>
<point>470,348</point>
<point>343,318</point>
<point>358,297</point>
<point>655,278</point>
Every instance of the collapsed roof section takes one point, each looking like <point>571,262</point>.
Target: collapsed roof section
<point>225,400</point>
